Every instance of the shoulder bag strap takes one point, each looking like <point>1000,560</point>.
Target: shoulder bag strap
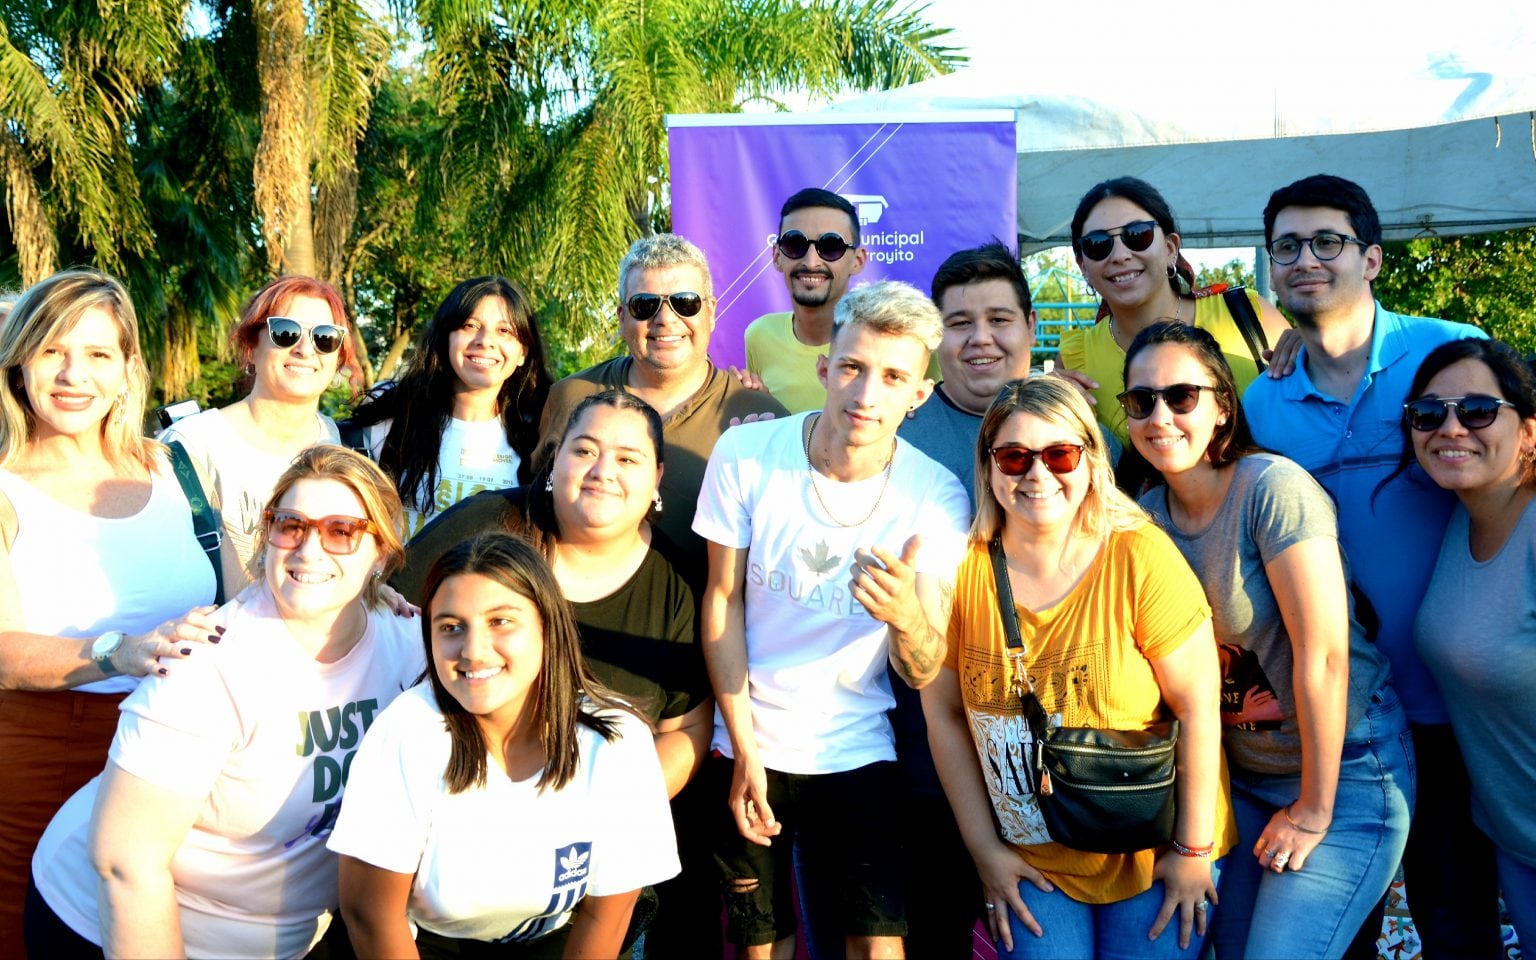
<point>1248,324</point>
<point>204,522</point>
<point>1034,710</point>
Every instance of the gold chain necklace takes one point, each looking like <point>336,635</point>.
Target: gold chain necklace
<point>810,439</point>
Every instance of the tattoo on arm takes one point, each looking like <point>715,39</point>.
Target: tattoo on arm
<point>918,660</point>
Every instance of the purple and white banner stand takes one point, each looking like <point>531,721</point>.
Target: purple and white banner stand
<point>925,185</point>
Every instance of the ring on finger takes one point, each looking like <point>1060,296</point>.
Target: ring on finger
<point>990,906</point>
<point>1281,859</point>
<point>1203,905</point>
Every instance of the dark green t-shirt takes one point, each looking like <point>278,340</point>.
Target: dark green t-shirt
<point>642,640</point>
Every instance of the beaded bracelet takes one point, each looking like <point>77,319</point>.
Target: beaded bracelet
<point>1200,852</point>
<point>1292,822</point>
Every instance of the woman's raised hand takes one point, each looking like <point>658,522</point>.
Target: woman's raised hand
<point>155,651</point>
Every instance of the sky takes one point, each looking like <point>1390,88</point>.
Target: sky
<point>1187,47</point>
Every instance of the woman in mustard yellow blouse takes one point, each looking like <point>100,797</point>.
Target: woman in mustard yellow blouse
<point>1116,636</point>
<point>1127,247</point>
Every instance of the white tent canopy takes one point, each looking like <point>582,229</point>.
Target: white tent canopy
<point>1434,119</point>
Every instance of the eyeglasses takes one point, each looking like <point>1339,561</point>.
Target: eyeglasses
<point>1474,411</point>
<point>339,535</point>
<point>829,246</point>
<point>285,333</point>
<point>1324,246</point>
<point>644,306</point>
<point>1180,397</point>
<point>1015,461</point>
<point>1136,235</point>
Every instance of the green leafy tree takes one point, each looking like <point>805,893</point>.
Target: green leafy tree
<point>555,114</point>
<point>1487,279</point>
<point>71,80</point>
<point>1233,273</point>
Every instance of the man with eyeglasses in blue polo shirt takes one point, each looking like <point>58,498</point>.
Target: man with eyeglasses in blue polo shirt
<point>818,252</point>
<point>1339,416</point>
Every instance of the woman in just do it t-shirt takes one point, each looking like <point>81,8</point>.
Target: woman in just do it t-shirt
<point>208,832</point>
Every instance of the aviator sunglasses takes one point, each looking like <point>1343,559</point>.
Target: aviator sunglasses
<point>285,333</point>
<point>1136,235</point>
<point>339,535</point>
<point>829,246</point>
<point>644,306</point>
<point>1180,397</point>
<point>1014,461</point>
<point>1474,411</point>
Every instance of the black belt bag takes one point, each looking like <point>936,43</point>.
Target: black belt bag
<point>1103,791</point>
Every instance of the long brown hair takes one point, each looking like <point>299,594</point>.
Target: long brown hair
<point>567,695</point>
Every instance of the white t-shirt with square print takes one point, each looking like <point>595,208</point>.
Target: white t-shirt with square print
<point>816,659</point>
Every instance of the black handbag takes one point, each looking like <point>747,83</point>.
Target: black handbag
<point>1104,791</point>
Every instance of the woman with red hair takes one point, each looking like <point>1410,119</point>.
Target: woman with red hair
<point>292,341</point>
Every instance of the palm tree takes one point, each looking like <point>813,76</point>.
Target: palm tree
<point>71,76</point>
<point>316,88</point>
<point>555,112</point>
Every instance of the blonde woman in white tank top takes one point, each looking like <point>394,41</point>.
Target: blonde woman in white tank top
<point>101,578</point>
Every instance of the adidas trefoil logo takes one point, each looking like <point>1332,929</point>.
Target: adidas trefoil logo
<point>573,864</point>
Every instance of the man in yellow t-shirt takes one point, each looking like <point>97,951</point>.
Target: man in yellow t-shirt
<point>818,253</point>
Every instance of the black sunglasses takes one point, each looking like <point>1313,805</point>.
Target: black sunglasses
<point>1474,411</point>
<point>829,246</point>
<point>1285,251</point>
<point>1015,461</point>
<point>1180,397</point>
<point>644,306</point>
<point>1136,235</point>
<point>285,333</point>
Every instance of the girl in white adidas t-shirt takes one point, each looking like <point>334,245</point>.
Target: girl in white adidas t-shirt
<point>513,803</point>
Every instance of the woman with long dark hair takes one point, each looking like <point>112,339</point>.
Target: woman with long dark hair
<point>464,417</point>
<point>513,807</point>
<point>1322,773</point>
<point>1471,422</point>
<point>1127,247</point>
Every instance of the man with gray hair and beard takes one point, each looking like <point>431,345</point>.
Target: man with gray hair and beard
<point>832,550</point>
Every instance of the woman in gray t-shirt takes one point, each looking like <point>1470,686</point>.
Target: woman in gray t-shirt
<point>1321,763</point>
<point>1472,426</point>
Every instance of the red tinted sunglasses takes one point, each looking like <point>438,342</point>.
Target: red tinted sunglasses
<point>1015,461</point>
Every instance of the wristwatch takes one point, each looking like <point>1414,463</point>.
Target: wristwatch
<point>103,649</point>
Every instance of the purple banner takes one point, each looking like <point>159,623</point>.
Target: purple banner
<point>924,188</point>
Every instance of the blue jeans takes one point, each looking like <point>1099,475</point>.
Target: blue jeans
<point>1316,911</point>
<point>1519,883</point>
<point>1107,931</point>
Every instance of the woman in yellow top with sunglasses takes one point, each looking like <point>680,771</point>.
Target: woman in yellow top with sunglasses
<point>292,340</point>
<point>1116,636</point>
<point>1127,247</point>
